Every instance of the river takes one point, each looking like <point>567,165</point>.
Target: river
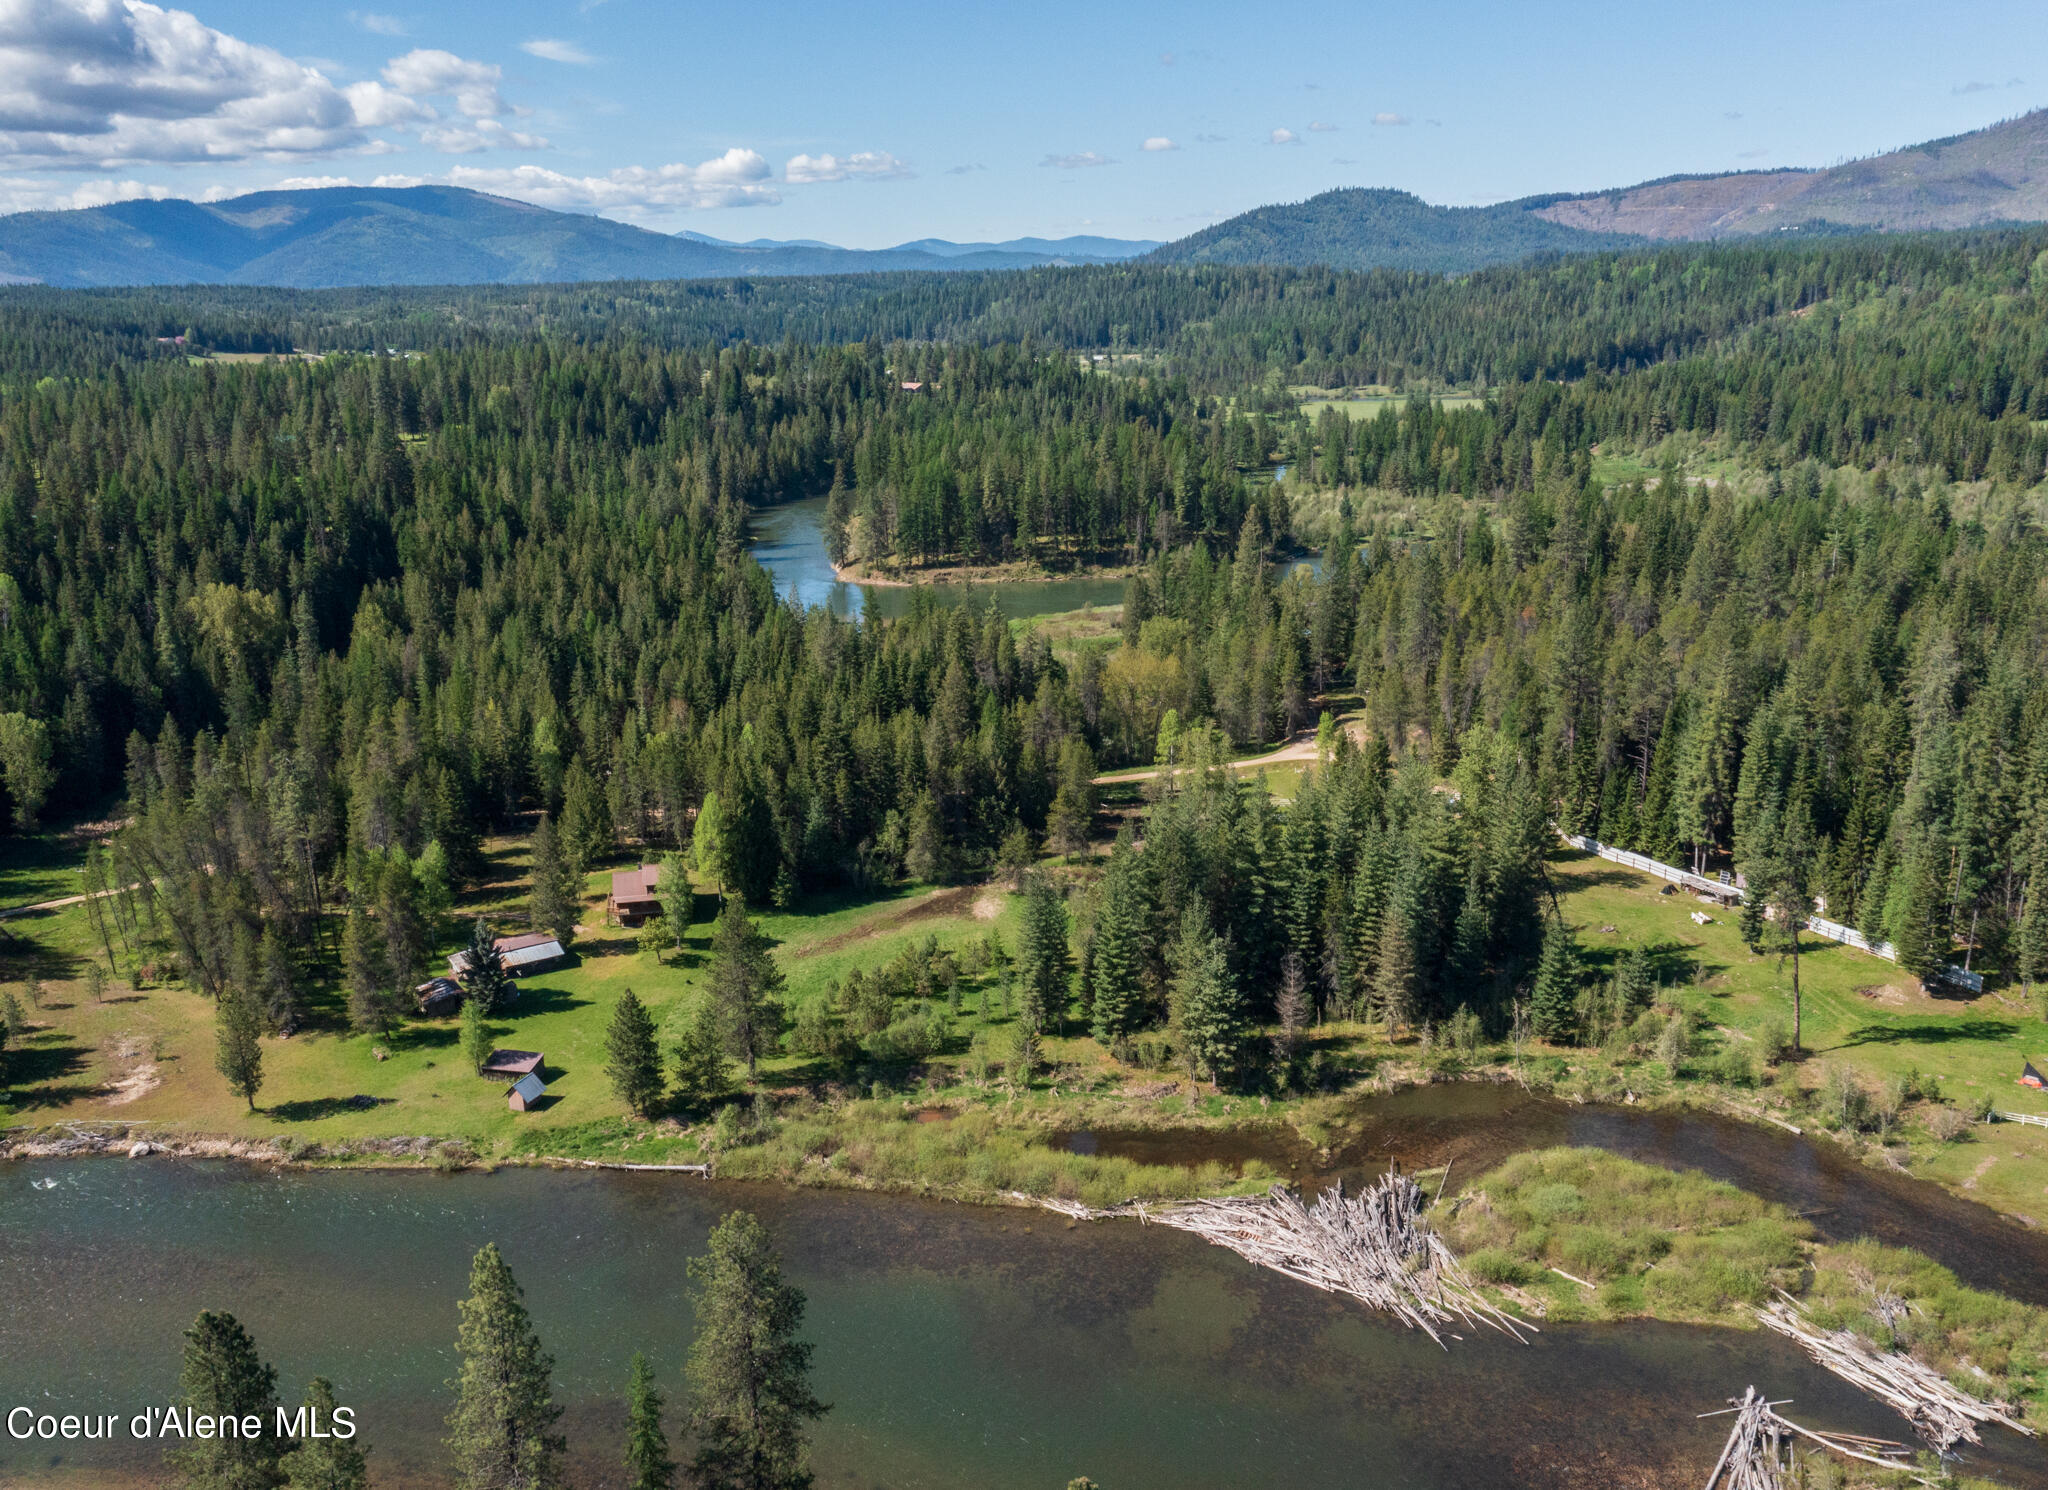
<point>789,541</point>
<point>958,1345</point>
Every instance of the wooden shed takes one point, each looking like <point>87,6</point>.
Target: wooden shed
<point>528,952</point>
<point>526,1093</point>
<point>511,1065</point>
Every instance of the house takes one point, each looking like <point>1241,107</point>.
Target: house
<point>438,996</point>
<point>912,387</point>
<point>632,899</point>
<point>511,1065</point>
<point>526,1093</point>
<point>529,952</point>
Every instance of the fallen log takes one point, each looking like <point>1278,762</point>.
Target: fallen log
<point>1757,1453</point>
<point>1373,1247</point>
<point>1941,1412</point>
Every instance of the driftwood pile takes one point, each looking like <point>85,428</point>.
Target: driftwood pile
<point>1758,1450</point>
<point>1373,1247</point>
<point>1942,1413</point>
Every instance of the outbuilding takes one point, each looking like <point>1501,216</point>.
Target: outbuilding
<point>528,952</point>
<point>511,1065</point>
<point>526,1093</point>
<point>439,996</point>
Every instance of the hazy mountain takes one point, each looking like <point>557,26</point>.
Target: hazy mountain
<point>1991,175</point>
<point>411,235</point>
<point>1375,228</point>
<point>1082,248</point>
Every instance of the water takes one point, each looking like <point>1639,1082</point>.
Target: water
<point>958,1345</point>
<point>1473,1126</point>
<point>789,542</point>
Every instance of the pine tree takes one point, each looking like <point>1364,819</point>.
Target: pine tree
<point>648,1465</point>
<point>707,841</point>
<point>501,1433</point>
<point>678,896</point>
<point>1553,1002</point>
<point>1394,979</point>
<point>483,980</point>
<point>1209,1008</point>
<point>238,1053</point>
<point>749,1374</point>
<point>631,1059</point>
<point>746,987</point>
<point>370,1004</point>
<point>586,826</point>
<point>700,1063</point>
<point>476,1034</point>
<point>325,1463</point>
<point>555,903</point>
<point>1072,816</point>
<point>224,1377</point>
<point>1117,960</point>
<point>1044,957</point>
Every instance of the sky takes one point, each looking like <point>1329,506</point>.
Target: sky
<point>867,125</point>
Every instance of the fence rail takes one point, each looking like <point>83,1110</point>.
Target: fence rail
<point>1820,926</point>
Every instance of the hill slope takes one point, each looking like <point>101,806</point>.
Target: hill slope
<point>1991,175</point>
<point>1375,228</point>
<point>406,236</point>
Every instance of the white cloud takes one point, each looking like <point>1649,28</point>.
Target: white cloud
<point>121,80</point>
<point>1320,128</point>
<point>1159,142</point>
<point>863,165</point>
<point>548,49</point>
<point>479,134</point>
<point>1283,137</point>
<point>967,170</point>
<point>311,183</point>
<point>738,178</point>
<point>377,24</point>
<point>425,72</point>
<point>1211,139</point>
<point>1080,160</point>
<point>1389,119</point>
<point>379,107</point>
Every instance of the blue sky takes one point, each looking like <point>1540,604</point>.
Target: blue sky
<point>867,125</point>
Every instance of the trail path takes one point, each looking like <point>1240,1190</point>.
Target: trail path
<point>1301,746</point>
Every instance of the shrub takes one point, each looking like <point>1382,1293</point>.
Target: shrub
<point>1947,1125</point>
<point>1674,1042</point>
<point>1497,1265</point>
<point>1774,1039</point>
<point>1843,1100</point>
<point>1734,1066</point>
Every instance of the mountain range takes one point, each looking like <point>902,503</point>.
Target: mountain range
<point>352,235</point>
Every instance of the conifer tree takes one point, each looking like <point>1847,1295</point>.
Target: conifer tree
<point>700,1062</point>
<point>223,1376</point>
<point>325,1463</point>
<point>556,902</point>
<point>1394,991</point>
<point>370,1004</point>
<point>238,1053</point>
<point>1553,1002</point>
<point>586,826</point>
<point>648,1466</point>
<point>1072,815</point>
<point>750,1393</point>
<point>1044,957</point>
<point>1208,1005</point>
<point>746,987</point>
<point>483,980</point>
<point>1117,960</point>
<point>501,1432</point>
<point>632,1060</point>
<point>678,896</point>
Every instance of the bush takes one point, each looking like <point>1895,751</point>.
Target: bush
<point>1947,1125</point>
<point>1774,1039</point>
<point>1497,1265</point>
<point>1843,1100</point>
<point>1674,1042</point>
<point>1734,1066</point>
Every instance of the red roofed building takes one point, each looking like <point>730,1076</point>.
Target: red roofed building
<point>632,899</point>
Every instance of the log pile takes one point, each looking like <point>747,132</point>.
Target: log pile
<point>1373,1247</point>
<point>1941,1412</point>
<point>1758,1451</point>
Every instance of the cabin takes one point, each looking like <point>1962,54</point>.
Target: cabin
<point>529,952</point>
<point>912,387</point>
<point>526,1093</point>
<point>439,996</point>
<point>511,1065</point>
<point>632,899</point>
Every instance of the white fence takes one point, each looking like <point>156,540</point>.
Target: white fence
<point>1833,931</point>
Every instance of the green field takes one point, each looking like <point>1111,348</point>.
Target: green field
<point>1368,406</point>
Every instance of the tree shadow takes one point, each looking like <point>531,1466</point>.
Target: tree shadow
<point>1931,1034</point>
<point>425,1037</point>
<point>312,1109</point>
<point>37,1070</point>
<point>533,1000</point>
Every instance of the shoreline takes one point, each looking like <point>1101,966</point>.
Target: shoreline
<point>1017,573</point>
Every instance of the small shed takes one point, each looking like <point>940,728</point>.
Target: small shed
<point>439,996</point>
<point>511,1065</point>
<point>632,899</point>
<point>526,1092</point>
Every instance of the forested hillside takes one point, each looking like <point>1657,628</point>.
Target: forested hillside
<point>327,623</point>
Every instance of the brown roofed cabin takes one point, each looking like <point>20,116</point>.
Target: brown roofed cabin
<point>528,952</point>
<point>526,1094</point>
<point>632,899</point>
<point>511,1065</point>
<point>438,996</point>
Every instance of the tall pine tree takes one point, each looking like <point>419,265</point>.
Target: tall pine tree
<point>502,1431</point>
<point>632,1060</point>
<point>224,1377</point>
<point>648,1466</point>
